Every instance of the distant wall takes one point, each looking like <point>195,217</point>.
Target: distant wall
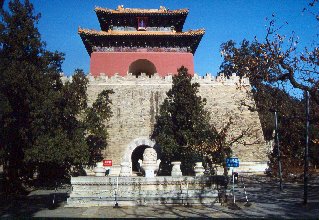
<point>119,62</point>
<point>136,102</point>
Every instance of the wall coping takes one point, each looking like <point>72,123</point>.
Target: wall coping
<point>156,79</point>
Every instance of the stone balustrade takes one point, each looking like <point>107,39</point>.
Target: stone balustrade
<point>131,191</point>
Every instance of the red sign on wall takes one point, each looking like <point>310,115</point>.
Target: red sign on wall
<point>107,163</point>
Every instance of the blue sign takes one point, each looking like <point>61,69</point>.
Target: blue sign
<point>232,162</point>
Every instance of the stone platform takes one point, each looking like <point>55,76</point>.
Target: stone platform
<point>133,191</point>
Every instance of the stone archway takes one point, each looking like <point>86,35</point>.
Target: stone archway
<point>142,66</point>
<point>137,155</point>
<point>143,142</point>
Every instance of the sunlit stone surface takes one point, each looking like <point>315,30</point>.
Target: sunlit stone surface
<point>131,191</point>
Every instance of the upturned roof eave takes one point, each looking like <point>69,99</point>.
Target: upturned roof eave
<point>91,32</point>
<point>88,35</point>
<point>141,11</point>
<point>104,14</point>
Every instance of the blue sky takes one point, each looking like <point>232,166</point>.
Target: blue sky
<point>222,19</point>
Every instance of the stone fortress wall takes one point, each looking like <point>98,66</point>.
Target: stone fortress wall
<point>136,102</point>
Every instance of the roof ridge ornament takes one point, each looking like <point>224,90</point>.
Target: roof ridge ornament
<point>120,7</point>
<point>162,8</point>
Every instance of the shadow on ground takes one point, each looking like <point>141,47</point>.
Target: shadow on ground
<point>28,205</point>
<point>267,201</point>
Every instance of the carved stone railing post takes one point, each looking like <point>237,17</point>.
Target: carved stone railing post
<point>176,169</point>
<point>199,169</point>
<point>99,170</point>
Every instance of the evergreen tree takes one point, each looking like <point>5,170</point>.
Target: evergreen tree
<point>23,64</point>
<point>182,124</point>
<point>45,125</point>
<point>96,130</point>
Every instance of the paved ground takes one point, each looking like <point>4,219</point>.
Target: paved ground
<point>265,199</point>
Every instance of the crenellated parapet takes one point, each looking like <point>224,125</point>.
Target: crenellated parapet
<point>233,80</point>
<point>131,79</point>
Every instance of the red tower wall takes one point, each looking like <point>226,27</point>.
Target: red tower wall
<point>119,62</point>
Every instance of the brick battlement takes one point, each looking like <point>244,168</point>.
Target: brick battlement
<point>130,79</point>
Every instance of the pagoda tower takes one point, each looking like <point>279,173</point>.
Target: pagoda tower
<point>139,41</point>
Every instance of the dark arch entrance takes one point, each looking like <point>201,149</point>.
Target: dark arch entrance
<point>137,154</point>
<point>142,66</point>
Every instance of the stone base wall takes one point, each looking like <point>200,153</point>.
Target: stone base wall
<point>136,102</point>
<point>131,191</point>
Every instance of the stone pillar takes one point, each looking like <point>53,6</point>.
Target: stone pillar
<point>99,170</point>
<point>125,169</point>
<point>199,169</point>
<point>176,170</point>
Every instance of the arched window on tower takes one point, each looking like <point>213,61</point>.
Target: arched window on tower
<point>142,66</point>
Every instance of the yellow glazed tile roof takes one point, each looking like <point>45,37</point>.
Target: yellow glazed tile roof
<point>121,10</point>
<point>140,33</point>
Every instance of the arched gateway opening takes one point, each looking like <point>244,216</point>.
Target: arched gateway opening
<point>135,151</point>
<point>137,155</point>
<point>142,66</point>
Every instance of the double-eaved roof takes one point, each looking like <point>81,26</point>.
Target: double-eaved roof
<point>119,29</point>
